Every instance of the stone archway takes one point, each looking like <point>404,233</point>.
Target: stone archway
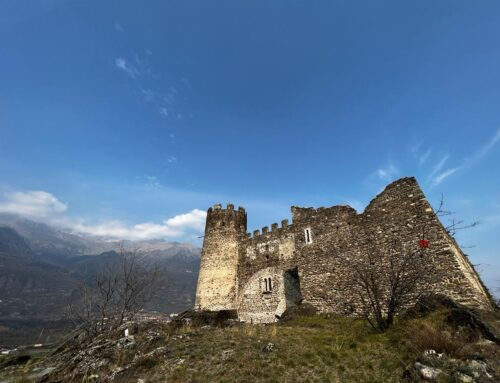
<point>267,294</point>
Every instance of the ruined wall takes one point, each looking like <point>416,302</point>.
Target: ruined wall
<point>324,276</point>
<point>217,281</point>
<point>275,247</point>
<point>233,261</point>
<point>402,212</point>
<point>259,304</point>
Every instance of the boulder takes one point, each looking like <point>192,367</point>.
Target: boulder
<point>428,373</point>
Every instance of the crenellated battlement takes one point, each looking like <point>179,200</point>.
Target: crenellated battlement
<point>276,230</point>
<point>217,217</point>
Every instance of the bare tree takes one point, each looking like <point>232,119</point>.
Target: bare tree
<point>386,282</point>
<point>453,224</point>
<point>116,294</point>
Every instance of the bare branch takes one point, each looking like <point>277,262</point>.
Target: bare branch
<point>119,291</point>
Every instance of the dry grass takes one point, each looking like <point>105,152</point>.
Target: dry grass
<point>305,349</point>
<point>424,336</point>
<point>308,349</point>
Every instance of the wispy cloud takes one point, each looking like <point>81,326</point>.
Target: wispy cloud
<point>437,176</point>
<point>149,94</point>
<point>387,173</point>
<point>424,157</point>
<point>486,148</point>
<point>417,152</point>
<point>152,182</point>
<point>438,166</point>
<point>127,67</point>
<point>118,27</point>
<point>442,176</point>
<point>167,102</point>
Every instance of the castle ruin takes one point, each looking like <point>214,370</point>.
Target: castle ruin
<point>259,275</point>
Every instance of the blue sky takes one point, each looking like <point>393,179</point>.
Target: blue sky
<point>131,118</point>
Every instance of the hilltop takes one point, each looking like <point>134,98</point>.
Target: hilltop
<point>445,343</point>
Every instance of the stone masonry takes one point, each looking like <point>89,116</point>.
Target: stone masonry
<point>261,274</point>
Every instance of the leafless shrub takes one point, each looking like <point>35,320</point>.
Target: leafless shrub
<point>116,294</point>
<point>453,224</point>
<point>388,282</point>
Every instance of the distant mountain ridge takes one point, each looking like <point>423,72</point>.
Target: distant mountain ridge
<point>44,238</point>
<point>41,268</point>
<point>12,242</point>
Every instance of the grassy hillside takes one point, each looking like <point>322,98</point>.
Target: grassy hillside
<point>305,349</point>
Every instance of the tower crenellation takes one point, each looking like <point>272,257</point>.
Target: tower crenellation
<point>229,218</point>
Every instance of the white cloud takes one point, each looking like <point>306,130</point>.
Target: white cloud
<point>45,206</point>
<point>127,67</point>
<point>442,176</point>
<point>171,159</point>
<point>119,230</point>
<point>34,203</point>
<point>195,219</point>
<point>178,226</point>
<point>387,173</point>
<point>118,27</point>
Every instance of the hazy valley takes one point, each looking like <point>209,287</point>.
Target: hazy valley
<point>42,267</point>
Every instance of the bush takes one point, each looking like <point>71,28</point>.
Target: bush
<point>425,337</point>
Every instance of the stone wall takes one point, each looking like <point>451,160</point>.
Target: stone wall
<point>402,209</point>
<point>217,281</point>
<point>233,261</point>
<point>399,214</point>
<point>262,303</point>
<point>275,247</point>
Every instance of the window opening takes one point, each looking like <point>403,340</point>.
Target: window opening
<point>308,235</point>
<point>268,285</point>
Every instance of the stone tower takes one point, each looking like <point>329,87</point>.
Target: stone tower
<point>217,281</point>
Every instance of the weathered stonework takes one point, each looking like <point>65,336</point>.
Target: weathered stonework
<point>312,266</point>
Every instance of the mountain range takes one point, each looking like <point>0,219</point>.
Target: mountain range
<point>42,267</point>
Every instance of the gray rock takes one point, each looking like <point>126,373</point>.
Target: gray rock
<point>226,354</point>
<point>43,373</point>
<point>427,373</point>
<point>268,347</point>
<point>477,368</point>
<point>463,378</point>
<point>429,353</point>
<point>126,342</point>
